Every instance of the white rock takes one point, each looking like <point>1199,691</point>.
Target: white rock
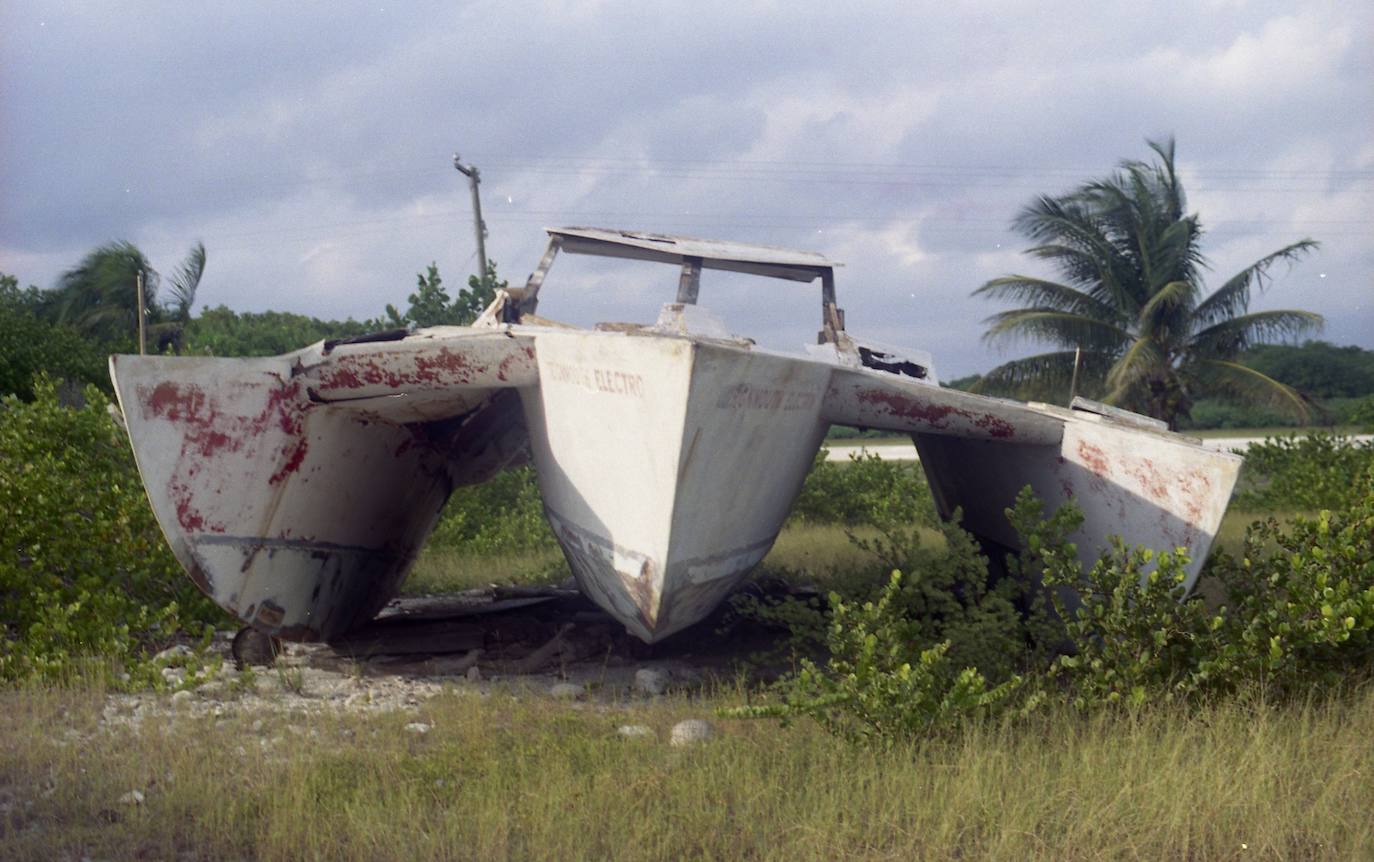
<point>474,674</point>
<point>173,675</point>
<point>133,797</point>
<point>419,727</point>
<point>651,681</point>
<point>173,652</point>
<point>567,691</point>
<point>634,731</point>
<point>691,731</point>
<point>181,697</point>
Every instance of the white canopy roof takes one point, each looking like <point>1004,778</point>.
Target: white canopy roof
<point>733,256</point>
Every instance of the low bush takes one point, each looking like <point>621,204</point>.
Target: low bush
<point>87,583</point>
<point>880,684</point>
<point>1298,613</point>
<point>864,490</point>
<point>504,515</point>
<point>1304,473</point>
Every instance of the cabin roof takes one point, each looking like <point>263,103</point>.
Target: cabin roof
<point>714,254</point>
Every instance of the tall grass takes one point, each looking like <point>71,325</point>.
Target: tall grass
<point>506,778</point>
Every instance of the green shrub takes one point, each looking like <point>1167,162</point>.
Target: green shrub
<point>501,516</point>
<point>1361,414</point>
<point>947,592</point>
<point>864,490</point>
<point>879,684</point>
<point>31,344</point>
<point>86,578</point>
<point>1302,597</point>
<point>1314,471</point>
<point>1299,613</point>
<point>1134,632</point>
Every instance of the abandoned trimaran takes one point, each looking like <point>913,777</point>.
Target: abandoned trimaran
<point>297,490</point>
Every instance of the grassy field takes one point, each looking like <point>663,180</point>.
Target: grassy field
<point>814,551</point>
<point>530,778</point>
<point>1275,431</point>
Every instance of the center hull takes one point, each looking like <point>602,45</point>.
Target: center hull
<point>668,465</point>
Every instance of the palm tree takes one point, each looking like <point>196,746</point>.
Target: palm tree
<point>176,314</point>
<point>1131,300</point>
<point>99,297</point>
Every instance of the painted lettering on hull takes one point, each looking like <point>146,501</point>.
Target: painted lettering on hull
<point>606,380</point>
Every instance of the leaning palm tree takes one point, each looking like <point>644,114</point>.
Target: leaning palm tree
<point>99,296</point>
<point>1129,314</point>
<point>176,313</point>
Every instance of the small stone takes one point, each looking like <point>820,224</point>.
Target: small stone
<point>257,726</point>
<point>173,675</point>
<point>635,731</point>
<point>691,731</point>
<point>474,674</point>
<point>133,797</point>
<point>173,653</point>
<point>181,697</point>
<point>651,681</point>
<point>419,727</point>
<point>567,691</point>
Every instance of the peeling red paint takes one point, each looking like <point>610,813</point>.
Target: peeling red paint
<point>1150,480</point>
<point>293,463</point>
<point>442,367</point>
<point>935,415</point>
<point>209,433</point>
<point>1094,458</point>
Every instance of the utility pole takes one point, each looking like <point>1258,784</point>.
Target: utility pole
<point>1073,382</point>
<point>470,171</point>
<point>141,340</point>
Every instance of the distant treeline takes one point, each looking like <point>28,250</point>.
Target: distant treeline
<point>34,337</point>
<point>1336,379</point>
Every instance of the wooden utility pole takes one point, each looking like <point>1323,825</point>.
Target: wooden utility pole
<point>1073,381</point>
<point>142,343</point>
<point>470,171</point>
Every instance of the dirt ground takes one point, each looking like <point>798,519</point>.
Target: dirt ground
<point>542,641</point>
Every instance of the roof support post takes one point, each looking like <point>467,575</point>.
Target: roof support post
<point>527,298</point>
<point>689,283</point>
<point>832,316</point>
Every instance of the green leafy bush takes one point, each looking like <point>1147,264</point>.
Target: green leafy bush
<point>1299,611</point>
<point>31,344</point>
<point>502,515</point>
<point>880,684</point>
<point>1314,471</point>
<point>1302,597</point>
<point>865,490</point>
<point>86,578</point>
<point>1134,632</point>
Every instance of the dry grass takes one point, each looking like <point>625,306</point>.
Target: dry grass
<point>443,571</point>
<point>506,778</point>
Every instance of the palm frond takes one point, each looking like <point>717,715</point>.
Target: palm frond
<point>1233,297</point>
<point>1057,327</point>
<point>1076,221</point>
<point>1229,337</point>
<point>185,280</point>
<point>1046,376</point>
<point>1167,300</point>
<point>1042,293</point>
<point>1139,361</point>
<point>1235,382</point>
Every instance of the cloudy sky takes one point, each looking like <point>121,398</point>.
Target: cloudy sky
<point>309,145</point>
